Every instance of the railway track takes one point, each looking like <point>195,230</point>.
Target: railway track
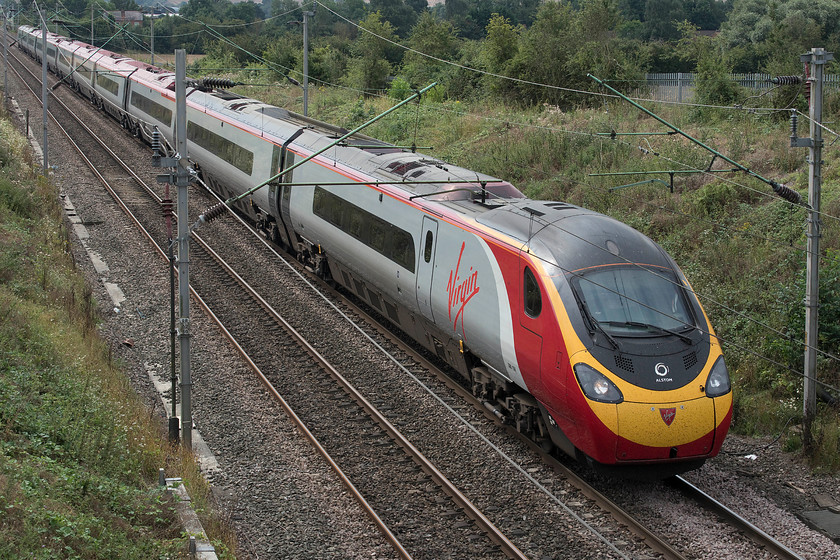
<point>320,396</point>
<point>376,442</point>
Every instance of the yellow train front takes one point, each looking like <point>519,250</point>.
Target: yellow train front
<point>632,374</point>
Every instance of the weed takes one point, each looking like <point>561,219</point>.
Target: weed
<point>78,450</point>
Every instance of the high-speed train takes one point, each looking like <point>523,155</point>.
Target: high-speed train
<point>571,326</point>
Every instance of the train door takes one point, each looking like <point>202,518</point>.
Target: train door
<point>426,265</point>
<point>529,339</point>
<point>286,159</point>
<point>286,193</point>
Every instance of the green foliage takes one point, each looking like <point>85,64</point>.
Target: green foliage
<point>792,350</point>
<point>400,89</point>
<point>498,52</point>
<point>774,31</point>
<point>283,55</point>
<point>544,56</point>
<point>662,17</point>
<point>400,14</point>
<point>714,85</point>
<point>714,199</point>
<point>79,452</point>
<point>328,64</point>
<point>368,69</point>
<point>433,38</point>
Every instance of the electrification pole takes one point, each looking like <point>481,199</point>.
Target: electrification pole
<point>152,45</point>
<point>182,181</point>
<point>5,61</point>
<point>44,89</point>
<point>817,58</point>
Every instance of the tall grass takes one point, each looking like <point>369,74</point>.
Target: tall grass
<point>79,452</point>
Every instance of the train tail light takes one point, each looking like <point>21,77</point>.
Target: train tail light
<point>596,386</point>
<point>718,382</point>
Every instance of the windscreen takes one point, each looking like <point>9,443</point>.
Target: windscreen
<point>632,300</point>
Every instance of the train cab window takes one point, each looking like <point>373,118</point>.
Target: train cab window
<point>533,300</point>
<point>427,249</point>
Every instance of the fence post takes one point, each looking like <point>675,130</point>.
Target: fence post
<point>679,87</point>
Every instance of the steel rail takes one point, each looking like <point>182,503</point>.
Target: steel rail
<point>365,505</point>
<point>427,466</point>
<point>470,509</point>
<point>650,538</point>
<point>753,532</point>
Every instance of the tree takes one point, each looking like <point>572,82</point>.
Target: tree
<point>769,33</point>
<point>601,51</point>
<point>126,5</point>
<point>205,9</point>
<point>469,17</point>
<point>499,50</point>
<point>369,68</point>
<point>662,16</point>
<point>419,6</point>
<point>706,14</point>
<point>399,14</point>
<point>544,54</point>
<point>432,37</point>
<point>501,44</point>
<point>714,84</point>
<point>632,9</point>
<point>246,12</point>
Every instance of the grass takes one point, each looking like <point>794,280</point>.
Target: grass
<point>741,247</point>
<point>79,452</point>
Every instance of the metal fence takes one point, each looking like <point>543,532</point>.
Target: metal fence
<point>679,86</point>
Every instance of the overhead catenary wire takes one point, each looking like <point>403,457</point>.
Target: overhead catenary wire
<point>783,188</point>
<point>577,91</point>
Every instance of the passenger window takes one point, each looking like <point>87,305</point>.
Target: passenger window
<point>427,250</point>
<point>533,300</point>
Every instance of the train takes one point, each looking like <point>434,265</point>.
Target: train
<point>572,327</point>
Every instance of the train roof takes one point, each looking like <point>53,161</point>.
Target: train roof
<point>566,235</point>
<point>420,175</point>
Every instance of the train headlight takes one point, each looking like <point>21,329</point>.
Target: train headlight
<point>596,386</point>
<point>718,382</point>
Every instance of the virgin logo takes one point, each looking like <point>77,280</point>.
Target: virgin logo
<point>460,291</point>
<point>668,415</point>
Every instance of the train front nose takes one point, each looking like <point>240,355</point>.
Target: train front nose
<point>661,431</point>
<point>630,424</point>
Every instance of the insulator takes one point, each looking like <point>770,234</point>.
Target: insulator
<point>156,146</point>
<point>786,192</point>
<point>793,124</point>
<point>787,80</point>
<point>217,83</point>
<point>808,84</point>
<point>213,213</point>
<point>166,206</point>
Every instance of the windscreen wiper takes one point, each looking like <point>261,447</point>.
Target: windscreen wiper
<point>595,324</point>
<point>662,330</point>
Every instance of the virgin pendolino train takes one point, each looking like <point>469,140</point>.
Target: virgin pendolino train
<point>575,328</point>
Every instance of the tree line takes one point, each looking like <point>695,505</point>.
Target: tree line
<point>397,45</point>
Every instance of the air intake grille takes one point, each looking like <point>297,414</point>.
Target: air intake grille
<point>690,360</point>
<point>624,363</point>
